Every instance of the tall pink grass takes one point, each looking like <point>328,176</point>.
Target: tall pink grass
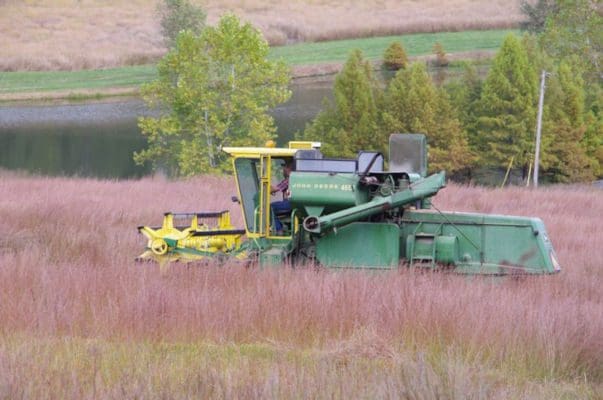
<point>67,270</point>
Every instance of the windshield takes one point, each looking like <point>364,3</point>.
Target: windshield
<point>247,178</point>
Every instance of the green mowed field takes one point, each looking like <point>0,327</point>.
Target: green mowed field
<point>12,82</point>
<point>294,55</point>
<point>373,48</point>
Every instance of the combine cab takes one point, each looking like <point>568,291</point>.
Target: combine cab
<point>352,213</point>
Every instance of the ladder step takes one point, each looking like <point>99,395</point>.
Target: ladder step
<point>424,235</point>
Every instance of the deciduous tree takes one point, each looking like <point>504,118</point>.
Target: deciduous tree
<point>576,31</point>
<point>537,13</point>
<point>212,90</point>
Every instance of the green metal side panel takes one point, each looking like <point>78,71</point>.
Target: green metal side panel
<point>326,192</point>
<point>487,244</point>
<point>272,252</point>
<point>360,245</point>
<point>273,257</point>
<point>417,191</point>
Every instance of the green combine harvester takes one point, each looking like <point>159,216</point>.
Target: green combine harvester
<point>351,213</point>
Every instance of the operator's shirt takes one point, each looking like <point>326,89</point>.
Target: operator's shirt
<point>282,187</point>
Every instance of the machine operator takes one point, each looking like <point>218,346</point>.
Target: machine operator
<point>281,207</point>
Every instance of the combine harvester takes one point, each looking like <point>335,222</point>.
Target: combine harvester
<point>351,213</point>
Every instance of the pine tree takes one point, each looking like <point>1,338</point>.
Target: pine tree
<point>507,115</point>
<point>565,155</point>
<point>570,134</point>
<point>593,137</point>
<point>465,97</point>
<point>414,105</point>
<point>350,123</point>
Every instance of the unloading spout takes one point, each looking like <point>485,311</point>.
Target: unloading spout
<point>417,191</point>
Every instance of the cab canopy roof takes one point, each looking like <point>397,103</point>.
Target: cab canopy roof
<point>256,152</point>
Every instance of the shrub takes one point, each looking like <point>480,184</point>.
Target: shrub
<point>395,57</point>
<point>441,58</point>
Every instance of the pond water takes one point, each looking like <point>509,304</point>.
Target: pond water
<point>98,139</point>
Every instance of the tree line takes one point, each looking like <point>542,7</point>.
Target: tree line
<point>472,122</point>
<point>215,87</point>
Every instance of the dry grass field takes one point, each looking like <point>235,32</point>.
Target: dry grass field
<point>79,319</point>
<point>77,34</point>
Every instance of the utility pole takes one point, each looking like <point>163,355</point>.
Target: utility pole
<point>539,127</point>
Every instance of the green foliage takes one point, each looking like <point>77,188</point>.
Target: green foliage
<point>214,90</point>
<point>507,115</point>
<point>564,157</point>
<point>413,104</point>
<point>465,96</point>
<point>441,61</point>
<point>362,117</point>
<point>395,57</point>
<point>576,31</point>
<point>350,123</point>
<point>570,133</point>
<point>593,137</point>
<point>537,14</point>
<point>177,16</point>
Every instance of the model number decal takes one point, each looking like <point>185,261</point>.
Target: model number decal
<point>324,186</point>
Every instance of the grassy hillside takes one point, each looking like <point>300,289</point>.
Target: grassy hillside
<point>15,82</point>
<point>415,44</point>
<point>81,320</point>
<point>89,34</point>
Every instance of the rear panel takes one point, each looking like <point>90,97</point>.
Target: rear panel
<point>490,244</point>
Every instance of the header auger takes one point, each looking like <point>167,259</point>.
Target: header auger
<point>351,213</point>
